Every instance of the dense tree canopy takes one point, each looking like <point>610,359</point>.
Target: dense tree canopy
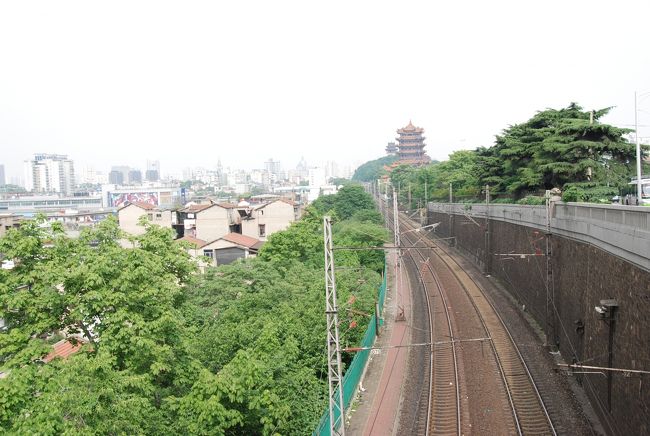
<point>554,148</point>
<point>239,350</point>
<point>372,170</point>
<point>349,200</point>
<point>565,148</point>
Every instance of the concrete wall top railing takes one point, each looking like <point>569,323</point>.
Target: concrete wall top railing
<point>620,230</point>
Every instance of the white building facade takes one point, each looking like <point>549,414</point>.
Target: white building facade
<point>50,173</point>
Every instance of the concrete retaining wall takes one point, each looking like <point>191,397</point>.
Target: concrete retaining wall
<point>596,253</point>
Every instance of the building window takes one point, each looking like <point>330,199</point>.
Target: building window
<point>150,216</point>
<point>159,216</point>
<point>262,230</point>
<point>208,253</point>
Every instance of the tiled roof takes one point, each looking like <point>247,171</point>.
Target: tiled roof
<point>192,240</point>
<point>289,202</point>
<point>196,207</point>
<point>141,205</point>
<point>236,238</point>
<point>63,349</point>
<point>201,207</point>
<point>410,128</point>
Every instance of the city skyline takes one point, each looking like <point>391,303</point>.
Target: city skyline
<point>86,173</point>
<point>189,85</point>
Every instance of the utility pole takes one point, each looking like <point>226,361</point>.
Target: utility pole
<point>638,153</point>
<point>399,191</point>
<point>398,260</point>
<point>334,374</point>
<point>425,192</point>
<point>591,122</point>
<point>396,225</point>
<point>549,271</point>
<point>451,215</point>
<point>409,206</point>
<point>384,204</point>
<point>487,229</point>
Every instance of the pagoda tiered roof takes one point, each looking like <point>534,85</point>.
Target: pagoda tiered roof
<point>411,146</point>
<point>410,128</point>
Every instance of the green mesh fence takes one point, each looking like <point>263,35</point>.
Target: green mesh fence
<point>354,372</point>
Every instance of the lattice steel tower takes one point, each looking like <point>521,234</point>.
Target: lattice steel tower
<point>334,375</point>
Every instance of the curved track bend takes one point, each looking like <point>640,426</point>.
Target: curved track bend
<point>478,380</point>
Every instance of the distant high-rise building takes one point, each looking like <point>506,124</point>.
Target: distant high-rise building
<point>49,173</point>
<point>188,173</point>
<point>91,176</point>
<point>135,177</point>
<point>124,170</point>
<point>116,177</point>
<point>331,170</point>
<point>153,170</point>
<point>391,148</point>
<point>152,175</point>
<point>2,175</point>
<point>273,167</point>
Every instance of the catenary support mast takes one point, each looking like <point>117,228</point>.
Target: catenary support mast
<point>334,375</point>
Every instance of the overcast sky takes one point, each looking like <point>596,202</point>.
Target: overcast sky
<point>188,82</point>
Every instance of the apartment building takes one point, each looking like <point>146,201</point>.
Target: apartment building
<point>129,215</point>
<point>49,173</point>
<point>263,220</point>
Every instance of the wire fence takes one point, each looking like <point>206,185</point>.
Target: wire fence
<point>355,371</point>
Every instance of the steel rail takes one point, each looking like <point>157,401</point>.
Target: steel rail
<point>521,360</point>
<point>430,345</point>
<point>453,344</point>
<point>456,378</point>
<point>430,317</point>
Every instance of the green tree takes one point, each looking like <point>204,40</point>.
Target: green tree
<point>374,169</point>
<point>123,302</point>
<point>239,350</point>
<point>554,148</point>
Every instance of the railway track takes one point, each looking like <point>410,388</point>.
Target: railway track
<point>475,366</point>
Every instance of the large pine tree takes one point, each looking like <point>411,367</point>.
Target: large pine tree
<point>556,147</point>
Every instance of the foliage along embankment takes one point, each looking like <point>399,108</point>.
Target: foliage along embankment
<point>239,350</point>
<point>372,170</point>
<point>569,149</point>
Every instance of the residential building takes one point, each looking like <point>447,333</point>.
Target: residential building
<point>231,247</point>
<point>224,250</point>
<point>64,349</point>
<point>261,221</point>
<point>207,222</point>
<point>2,175</point>
<point>49,173</point>
<point>8,221</point>
<point>129,215</point>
